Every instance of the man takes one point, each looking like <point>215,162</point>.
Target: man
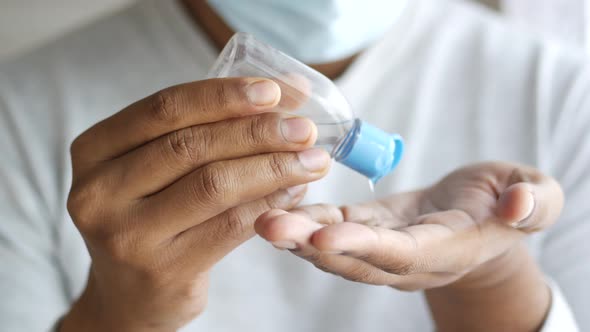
<point>168,191</point>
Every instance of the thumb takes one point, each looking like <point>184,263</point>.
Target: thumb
<point>531,201</point>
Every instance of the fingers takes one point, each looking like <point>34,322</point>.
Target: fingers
<point>390,213</point>
<point>376,246</point>
<point>156,165</point>
<point>349,268</point>
<point>219,186</point>
<point>286,230</point>
<point>531,201</point>
<point>392,251</point>
<point>171,109</point>
<point>293,232</point>
<point>296,232</point>
<point>221,234</point>
<point>357,270</point>
<point>444,242</point>
<point>325,214</point>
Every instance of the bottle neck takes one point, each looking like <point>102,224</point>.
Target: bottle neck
<point>370,151</point>
<point>343,148</point>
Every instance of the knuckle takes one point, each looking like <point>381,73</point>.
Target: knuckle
<point>115,244</point>
<point>213,185</point>
<point>124,247</point>
<point>79,150</point>
<point>83,203</point>
<point>279,166</point>
<point>76,146</point>
<point>184,144</point>
<point>236,225</point>
<point>164,106</point>
<point>255,132</point>
<point>221,96</point>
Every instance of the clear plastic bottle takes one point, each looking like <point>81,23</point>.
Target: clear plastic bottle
<point>305,92</point>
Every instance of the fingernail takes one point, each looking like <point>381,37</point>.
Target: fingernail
<point>524,222</point>
<point>296,130</point>
<point>296,190</point>
<point>263,92</point>
<point>285,245</point>
<point>314,160</point>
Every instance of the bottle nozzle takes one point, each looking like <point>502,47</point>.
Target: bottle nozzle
<point>372,152</point>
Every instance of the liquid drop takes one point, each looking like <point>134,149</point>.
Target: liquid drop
<point>372,186</point>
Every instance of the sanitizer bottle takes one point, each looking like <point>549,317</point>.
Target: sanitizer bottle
<point>305,92</point>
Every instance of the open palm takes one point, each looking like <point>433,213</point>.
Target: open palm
<point>459,227</point>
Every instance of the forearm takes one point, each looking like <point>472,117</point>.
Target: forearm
<point>508,295</point>
<point>86,314</point>
<point>80,318</point>
<point>83,318</point>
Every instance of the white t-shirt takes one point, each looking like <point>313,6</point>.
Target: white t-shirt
<point>457,83</point>
<point>567,21</point>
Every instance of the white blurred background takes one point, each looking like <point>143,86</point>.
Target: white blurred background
<point>25,24</point>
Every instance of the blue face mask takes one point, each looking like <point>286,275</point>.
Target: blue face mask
<point>313,31</point>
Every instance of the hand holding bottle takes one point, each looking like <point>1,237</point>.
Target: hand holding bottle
<point>168,186</point>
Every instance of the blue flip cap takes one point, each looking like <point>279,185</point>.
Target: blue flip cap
<point>372,152</point>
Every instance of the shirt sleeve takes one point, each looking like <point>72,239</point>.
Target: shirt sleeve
<point>31,283</point>
<point>559,318</point>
